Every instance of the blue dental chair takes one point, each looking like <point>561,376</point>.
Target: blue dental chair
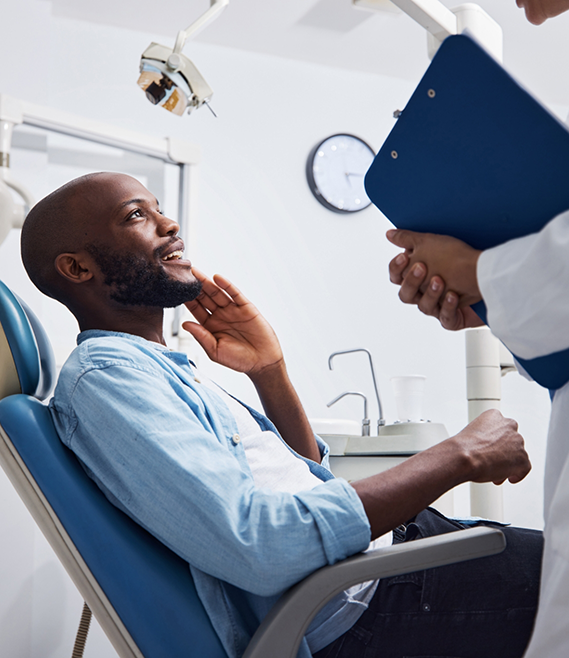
<point>141,593</point>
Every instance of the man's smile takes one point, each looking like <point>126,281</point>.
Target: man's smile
<point>174,253</point>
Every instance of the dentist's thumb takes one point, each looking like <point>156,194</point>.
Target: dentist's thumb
<point>402,238</point>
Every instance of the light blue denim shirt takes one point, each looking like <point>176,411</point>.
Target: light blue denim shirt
<point>160,447</point>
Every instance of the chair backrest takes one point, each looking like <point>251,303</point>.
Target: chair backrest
<point>27,364</point>
<point>141,592</point>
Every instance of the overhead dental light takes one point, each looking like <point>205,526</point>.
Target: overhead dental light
<point>169,78</point>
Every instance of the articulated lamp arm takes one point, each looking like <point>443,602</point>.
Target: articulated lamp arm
<point>217,6</point>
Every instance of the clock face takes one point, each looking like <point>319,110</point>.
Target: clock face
<point>335,170</point>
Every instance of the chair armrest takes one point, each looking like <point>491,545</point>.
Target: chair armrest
<point>282,630</point>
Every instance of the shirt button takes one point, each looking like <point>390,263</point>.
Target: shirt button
<point>236,439</point>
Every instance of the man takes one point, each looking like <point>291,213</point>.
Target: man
<point>246,499</point>
<point>524,286</point>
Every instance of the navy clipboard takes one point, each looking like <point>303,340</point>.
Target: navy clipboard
<point>473,155</point>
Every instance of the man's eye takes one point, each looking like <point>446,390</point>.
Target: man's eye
<point>135,213</point>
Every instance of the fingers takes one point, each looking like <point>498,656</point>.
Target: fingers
<point>397,268</point>
<point>410,291</point>
<point>497,449</point>
<point>520,471</point>
<point>211,296</point>
<point>230,289</point>
<point>449,315</point>
<point>203,336</point>
<point>429,304</point>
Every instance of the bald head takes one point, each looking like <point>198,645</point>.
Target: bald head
<point>62,222</point>
<point>102,246</point>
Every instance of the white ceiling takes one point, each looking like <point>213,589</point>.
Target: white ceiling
<point>334,33</point>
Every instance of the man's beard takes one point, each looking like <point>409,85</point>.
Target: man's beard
<point>136,282</point>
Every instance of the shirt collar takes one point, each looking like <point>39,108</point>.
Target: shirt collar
<point>101,333</point>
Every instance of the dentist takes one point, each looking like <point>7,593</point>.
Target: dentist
<point>525,286</point>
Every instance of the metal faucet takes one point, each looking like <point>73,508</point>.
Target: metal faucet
<point>381,419</point>
<point>365,421</point>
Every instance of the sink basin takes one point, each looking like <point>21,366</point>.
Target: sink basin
<point>335,431</point>
<point>397,439</point>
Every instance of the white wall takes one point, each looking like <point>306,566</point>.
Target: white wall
<point>320,278</point>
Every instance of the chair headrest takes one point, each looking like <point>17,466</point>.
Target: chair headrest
<point>27,364</point>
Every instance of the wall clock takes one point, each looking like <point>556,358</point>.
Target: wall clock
<point>335,171</point>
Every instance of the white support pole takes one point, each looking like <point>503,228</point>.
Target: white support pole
<point>483,391</point>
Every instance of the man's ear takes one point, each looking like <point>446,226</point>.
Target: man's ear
<point>73,267</point>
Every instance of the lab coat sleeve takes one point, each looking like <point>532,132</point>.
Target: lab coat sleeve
<point>163,465</point>
<point>525,285</point>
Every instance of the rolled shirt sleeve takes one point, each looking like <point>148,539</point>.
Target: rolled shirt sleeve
<point>166,464</point>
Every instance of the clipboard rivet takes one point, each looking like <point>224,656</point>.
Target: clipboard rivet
<point>431,93</point>
<point>394,155</point>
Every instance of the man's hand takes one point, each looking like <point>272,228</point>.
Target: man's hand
<point>494,449</point>
<point>233,333</point>
<point>430,255</point>
<point>489,449</point>
<point>231,330</point>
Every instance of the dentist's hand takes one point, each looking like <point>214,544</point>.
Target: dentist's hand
<point>433,294</point>
<point>435,301</point>
<point>448,258</point>
<point>230,329</point>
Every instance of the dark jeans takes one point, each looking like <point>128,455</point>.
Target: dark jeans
<point>482,608</point>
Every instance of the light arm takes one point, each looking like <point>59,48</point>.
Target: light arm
<point>217,6</point>
<point>437,19</point>
<point>441,22</point>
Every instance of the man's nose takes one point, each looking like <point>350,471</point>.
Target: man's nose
<point>167,226</point>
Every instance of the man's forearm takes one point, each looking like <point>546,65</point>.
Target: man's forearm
<point>396,495</point>
<point>282,405</point>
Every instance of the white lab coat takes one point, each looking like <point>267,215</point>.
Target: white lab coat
<point>525,285</point>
